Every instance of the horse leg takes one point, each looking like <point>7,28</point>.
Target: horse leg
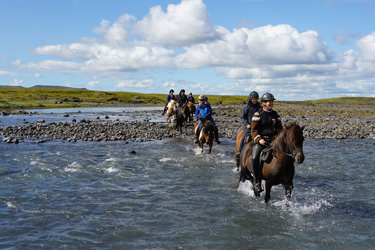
<point>288,191</point>
<point>267,197</point>
<point>209,147</point>
<point>186,127</point>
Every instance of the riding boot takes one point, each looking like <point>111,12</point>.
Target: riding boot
<point>216,132</point>
<point>256,167</point>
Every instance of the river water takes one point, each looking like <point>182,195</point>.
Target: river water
<point>167,195</point>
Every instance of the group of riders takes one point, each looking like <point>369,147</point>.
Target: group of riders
<point>261,122</point>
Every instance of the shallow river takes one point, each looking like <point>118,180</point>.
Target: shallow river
<point>98,195</point>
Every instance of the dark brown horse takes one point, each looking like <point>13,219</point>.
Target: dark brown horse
<point>182,114</point>
<point>192,110</point>
<point>238,141</point>
<point>287,149</point>
<point>206,134</point>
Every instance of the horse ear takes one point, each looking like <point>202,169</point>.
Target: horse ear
<point>303,127</point>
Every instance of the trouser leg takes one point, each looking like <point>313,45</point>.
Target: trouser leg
<point>243,139</point>
<point>256,166</point>
<point>216,132</point>
<point>165,108</point>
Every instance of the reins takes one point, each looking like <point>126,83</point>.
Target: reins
<point>281,152</point>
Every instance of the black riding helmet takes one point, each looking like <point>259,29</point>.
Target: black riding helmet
<point>267,97</point>
<point>171,91</point>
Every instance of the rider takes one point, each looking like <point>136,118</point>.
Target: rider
<point>170,97</point>
<point>181,98</point>
<point>191,98</point>
<point>203,112</point>
<point>247,115</point>
<point>265,125</point>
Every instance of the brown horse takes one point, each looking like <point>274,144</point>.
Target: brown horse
<point>192,110</point>
<point>238,141</point>
<point>182,114</point>
<point>206,134</point>
<point>287,149</point>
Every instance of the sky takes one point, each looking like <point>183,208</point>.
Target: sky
<point>296,50</point>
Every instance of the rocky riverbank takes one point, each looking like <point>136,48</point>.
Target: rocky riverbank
<point>322,122</point>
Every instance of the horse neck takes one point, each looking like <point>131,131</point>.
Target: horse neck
<point>209,126</point>
<point>281,143</point>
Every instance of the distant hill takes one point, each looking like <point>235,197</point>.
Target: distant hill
<point>38,87</point>
<point>10,87</point>
<point>52,87</point>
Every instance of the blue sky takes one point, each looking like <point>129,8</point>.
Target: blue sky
<point>297,50</point>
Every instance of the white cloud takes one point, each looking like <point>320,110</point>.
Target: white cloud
<point>280,44</point>
<point>271,57</point>
<point>183,24</point>
<point>367,47</point>
<point>119,32</point>
<point>148,83</point>
<point>7,73</point>
<point>16,82</point>
<point>92,83</point>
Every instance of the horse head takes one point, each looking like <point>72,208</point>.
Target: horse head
<point>294,138</point>
<point>185,111</point>
<point>172,104</point>
<point>208,126</point>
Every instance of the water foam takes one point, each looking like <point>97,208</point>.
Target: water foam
<point>165,159</point>
<point>246,188</point>
<point>73,167</point>
<point>111,170</point>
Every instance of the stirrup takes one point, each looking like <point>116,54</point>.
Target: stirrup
<point>237,156</point>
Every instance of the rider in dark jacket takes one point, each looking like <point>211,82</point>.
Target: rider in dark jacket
<point>265,126</point>
<point>191,98</point>
<point>247,115</point>
<point>182,98</point>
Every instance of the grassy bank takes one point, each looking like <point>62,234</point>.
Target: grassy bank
<point>62,98</point>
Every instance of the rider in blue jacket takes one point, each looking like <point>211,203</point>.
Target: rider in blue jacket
<point>203,112</point>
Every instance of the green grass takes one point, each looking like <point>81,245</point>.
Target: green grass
<point>345,101</point>
<point>56,98</point>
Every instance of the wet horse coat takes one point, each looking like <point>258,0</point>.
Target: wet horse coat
<point>206,134</point>
<point>182,114</point>
<point>287,149</point>
<point>192,109</point>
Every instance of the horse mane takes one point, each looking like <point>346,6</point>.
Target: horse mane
<point>278,142</point>
<point>171,105</point>
<point>207,126</point>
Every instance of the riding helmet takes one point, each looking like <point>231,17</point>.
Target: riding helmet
<point>182,90</point>
<point>171,91</point>
<point>202,98</point>
<point>267,97</point>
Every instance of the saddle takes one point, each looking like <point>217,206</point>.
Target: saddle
<point>266,155</point>
<point>247,139</point>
